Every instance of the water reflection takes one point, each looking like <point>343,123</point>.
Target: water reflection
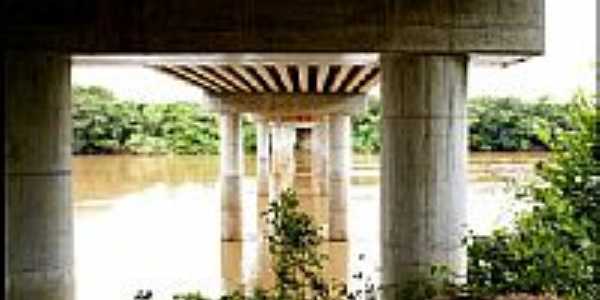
<point>153,222</point>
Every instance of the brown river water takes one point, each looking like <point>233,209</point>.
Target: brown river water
<point>144,222</point>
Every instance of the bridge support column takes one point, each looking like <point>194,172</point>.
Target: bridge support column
<point>39,220</point>
<point>339,174</point>
<point>231,177</point>
<point>262,160</point>
<point>283,153</point>
<point>423,169</point>
<point>319,157</point>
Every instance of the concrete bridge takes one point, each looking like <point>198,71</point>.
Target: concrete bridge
<point>274,59</point>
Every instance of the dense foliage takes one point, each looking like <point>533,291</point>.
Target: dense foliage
<point>495,124</point>
<point>508,124</point>
<point>555,247</point>
<point>102,125</point>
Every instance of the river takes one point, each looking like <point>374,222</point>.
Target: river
<point>144,222</point>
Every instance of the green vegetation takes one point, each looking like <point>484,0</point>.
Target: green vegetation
<point>508,124</point>
<point>104,125</point>
<point>293,241</point>
<point>555,247</point>
<point>365,129</point>
<point>495,124</point>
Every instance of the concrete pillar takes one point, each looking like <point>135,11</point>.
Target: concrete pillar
<point>231,177</point>
<point>339,174</point>
<point>320,150</point>
<point>39,222</point>
<point>283,156</point>
<point>423,187</point>
<point>262,160</point>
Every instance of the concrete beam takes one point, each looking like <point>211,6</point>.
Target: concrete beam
<point>287,104</point>
<point>433,26</point>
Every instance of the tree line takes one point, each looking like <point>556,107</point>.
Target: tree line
<point>104,125</point>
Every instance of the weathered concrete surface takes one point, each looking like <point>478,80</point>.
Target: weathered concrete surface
<point>262,152</point>
<point>423,205</point>
<point>339,166</point>
<point>435,26</point>
<point>39,249</point>
<point>231,177</point>
<point>287,104</point>
<point>319,158</point>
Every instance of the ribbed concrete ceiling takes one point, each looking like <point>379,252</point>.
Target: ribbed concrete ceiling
<point>257,73</point>
<point>277,78</point>
<point>232,73</point>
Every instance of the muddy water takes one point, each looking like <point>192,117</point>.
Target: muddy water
<point>153,222</point>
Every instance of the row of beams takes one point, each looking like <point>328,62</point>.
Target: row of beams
<point>277,77</point>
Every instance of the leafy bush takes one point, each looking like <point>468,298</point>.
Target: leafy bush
<point>366,136</point>
<point>293,241</point>
<point>554,248</point>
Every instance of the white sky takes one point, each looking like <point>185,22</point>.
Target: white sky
<point>568,64</point>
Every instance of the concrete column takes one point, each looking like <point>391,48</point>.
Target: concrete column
<point>423,187</point>
<point>320,150</point>
<point>283,154</point>
<point>262,160</point>
<point>231,177</point>
<point>290,143</point>
<point>39,222</point>
<point>339,174</point>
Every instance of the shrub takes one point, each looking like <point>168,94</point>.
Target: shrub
<point>555,248</point>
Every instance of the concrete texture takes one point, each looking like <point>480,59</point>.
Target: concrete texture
<point>39,248</point>
<point>268,76</point>
<point>321,155</point>
<point>434,26</point>
<point>319,158</point>
<point>232,159</point>
<point>339,166</point>
<point>262,153</point>
<point>423,185</point>
<point>287,104</point>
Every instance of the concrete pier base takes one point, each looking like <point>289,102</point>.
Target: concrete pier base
<point>231,177</point>
<point>423,211</point>
<point>39,252</point>
<point>339,175</point>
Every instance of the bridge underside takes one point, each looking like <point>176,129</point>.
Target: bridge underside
<point>419,51</point>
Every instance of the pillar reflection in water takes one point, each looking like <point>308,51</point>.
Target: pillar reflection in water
<point>232,267</point>
<point>301,178</point>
